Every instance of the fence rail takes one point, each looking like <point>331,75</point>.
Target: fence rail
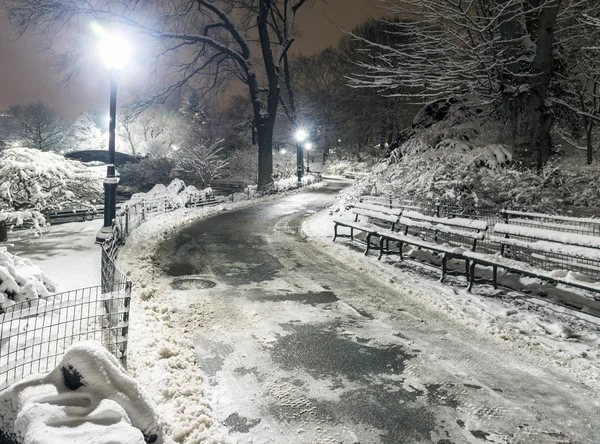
<point>35,334</point>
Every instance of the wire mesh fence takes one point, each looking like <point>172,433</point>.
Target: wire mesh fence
<point>35,334</point>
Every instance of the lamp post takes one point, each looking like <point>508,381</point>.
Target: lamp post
<point>300,138</point>
<point>115,52</point>
<point>308,147</point>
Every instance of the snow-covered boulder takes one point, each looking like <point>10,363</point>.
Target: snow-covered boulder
<point>88,398</point>
<point>20,280</point>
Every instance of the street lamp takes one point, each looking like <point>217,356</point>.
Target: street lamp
<point>308,147</point>
<point>301,136</point>
<point>114,51</point>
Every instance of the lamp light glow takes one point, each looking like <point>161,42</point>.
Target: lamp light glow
<point>115,51</point>
<point>308,145</point>
<point>301,135</point>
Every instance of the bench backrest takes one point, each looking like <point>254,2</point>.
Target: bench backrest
<point>543,234</point>
<point>467,228</point>
<point>582,225</point>
<point>379,208</point>
<point>377,212</point>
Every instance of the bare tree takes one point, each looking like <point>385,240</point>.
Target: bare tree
<point>485,52</point>
<point>194,40</point>
<point>202,161</point>
<point>87,135</point>
<point>576,83</point>
<point>38,126</point>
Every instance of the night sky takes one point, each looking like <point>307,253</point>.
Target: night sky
<point>24,77</point>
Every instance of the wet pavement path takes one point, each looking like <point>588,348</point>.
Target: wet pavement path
<point>299,348</point>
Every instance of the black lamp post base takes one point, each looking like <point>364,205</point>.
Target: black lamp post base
<point>103,234</point>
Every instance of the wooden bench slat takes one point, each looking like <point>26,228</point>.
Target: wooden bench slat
<point>582,240</point>
<point>582,220</point>
<point>573,251</point>
<point>441,228</point>
<point>551,226</point>
<point>418,242</point>
<point>378,208</point>
<point>530,270</point>
<point>356,225</point>
<point>375,215</point>
<point>473,224</point>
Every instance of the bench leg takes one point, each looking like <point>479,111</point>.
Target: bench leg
<point>368,244</point>
<point>400,245</point>
<point>351,233</point>
<point>381,241</point>
<point>471,276</point>
<point>444,266</point>
<point>495,277</point>
<point>467,269</point>
<point>335,233</point>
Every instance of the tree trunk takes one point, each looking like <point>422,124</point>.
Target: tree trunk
<point>531,121</point>
<point>588,129</point>
<point>526,82</point>
<point>265,152</point>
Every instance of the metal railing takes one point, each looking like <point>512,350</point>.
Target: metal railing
<point>35,334</point>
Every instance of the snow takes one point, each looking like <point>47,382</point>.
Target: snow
<point>175,195</point>
<point>583,240</point>
<point>109,407</point>
<point>32,182</point>
<point>533,327</point>
<point>439,227</point>
<point>586,220</point>
<point>552,247</point>
<point>455,221</point>
<point>21,280</point>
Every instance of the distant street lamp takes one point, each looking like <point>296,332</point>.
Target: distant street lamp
<point>308,147</point>
<point>114,51</point>
<point>301,136</point>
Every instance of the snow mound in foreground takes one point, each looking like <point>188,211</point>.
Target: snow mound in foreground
<point>88,398</point>
<point>20,280</point>
<point>176,194</point>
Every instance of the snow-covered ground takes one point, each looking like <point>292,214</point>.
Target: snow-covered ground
<point>67,253</point>
<point>563,339</point>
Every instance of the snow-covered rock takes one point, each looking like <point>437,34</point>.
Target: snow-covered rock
<point>20,280</point>
<point>88,398</point>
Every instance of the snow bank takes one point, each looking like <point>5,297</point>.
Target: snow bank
<point>175,195</point>
<point>88,398</point>
<point>20,280</point>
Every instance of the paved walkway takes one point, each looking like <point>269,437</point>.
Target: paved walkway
<point>300,348</point>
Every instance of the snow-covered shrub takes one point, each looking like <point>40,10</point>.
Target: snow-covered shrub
<point>33,182</point>
<point>20,280</point>
<point>464,161</point>
<point>175,195</point>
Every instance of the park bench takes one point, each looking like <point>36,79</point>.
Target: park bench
<point>428,232</point>
<point>373,218</point>
<point>537,251</point>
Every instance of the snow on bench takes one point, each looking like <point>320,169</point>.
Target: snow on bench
<point>550,225</point>
<point>376,213</point>
<point>581,220</point>
<point>453,222</point>
<point>582,240</point>
<point>467,228</point>
<point>582,248</point>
